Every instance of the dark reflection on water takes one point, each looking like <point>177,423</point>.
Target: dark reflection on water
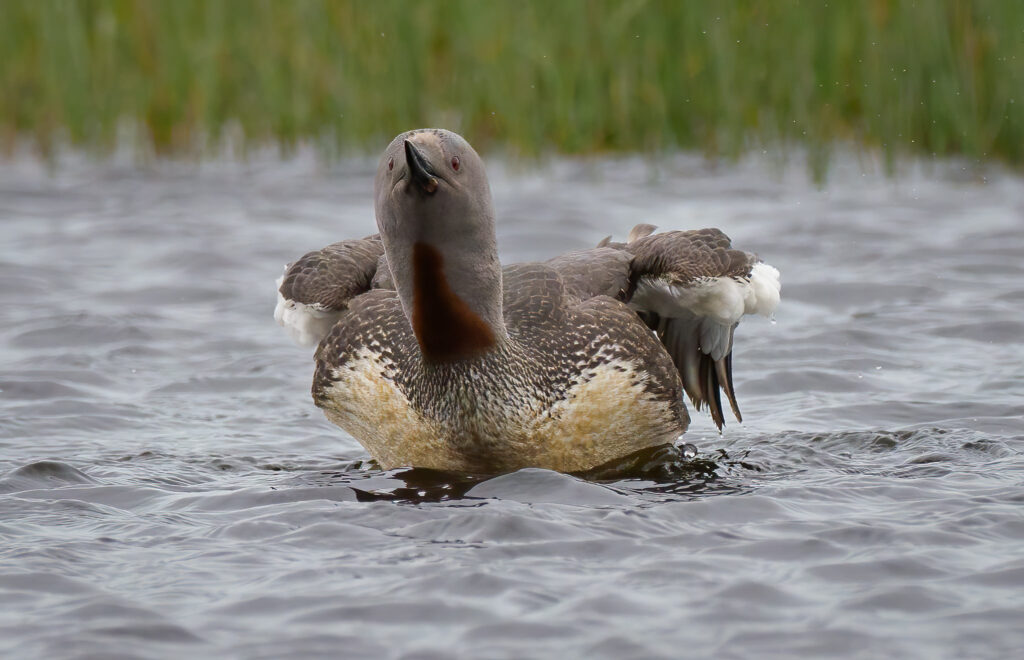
<point>167,488</point>
<point>660,469</point>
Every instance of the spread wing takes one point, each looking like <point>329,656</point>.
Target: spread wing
<point>316,289</point>
<point>692,288</point>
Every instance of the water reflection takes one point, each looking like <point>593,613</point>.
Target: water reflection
<point>666,470</point>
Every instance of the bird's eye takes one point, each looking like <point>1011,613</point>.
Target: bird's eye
<point>455,163</point>
<point>391,164</point>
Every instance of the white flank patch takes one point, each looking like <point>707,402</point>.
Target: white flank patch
<point>763,291</point>
<point>307,325</point>
<point>721,299</point>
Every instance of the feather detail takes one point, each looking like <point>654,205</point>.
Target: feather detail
<point>318,287</point>
<point>640,231</point>
<point>693,288</point>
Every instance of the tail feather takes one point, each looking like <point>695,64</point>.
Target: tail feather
<point>703,376</point>
<point>723,368</point>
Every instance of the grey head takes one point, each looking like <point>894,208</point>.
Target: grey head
<point>436,220</point>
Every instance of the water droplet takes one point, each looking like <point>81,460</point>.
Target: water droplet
<point>688,450</point>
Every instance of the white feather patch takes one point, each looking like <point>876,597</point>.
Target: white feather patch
<point>763,292</point>
<point>307,325</point>
<point>721,299</point>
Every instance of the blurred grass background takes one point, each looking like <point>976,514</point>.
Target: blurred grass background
<point>931,77</point>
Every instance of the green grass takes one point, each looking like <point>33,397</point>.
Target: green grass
<point>928,77</point>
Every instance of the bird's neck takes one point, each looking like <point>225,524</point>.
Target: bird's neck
<point>455,308</point>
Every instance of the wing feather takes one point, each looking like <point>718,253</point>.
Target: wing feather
<point>600,271</point>
<point>318,287</point>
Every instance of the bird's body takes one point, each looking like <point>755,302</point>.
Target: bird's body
<point>556,393</point>
<point>432,355</point>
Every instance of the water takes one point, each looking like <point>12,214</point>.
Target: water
<point>169,490</point>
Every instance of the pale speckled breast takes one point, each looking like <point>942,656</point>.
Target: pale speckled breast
<point>375,411</point>
<point>607,413</point>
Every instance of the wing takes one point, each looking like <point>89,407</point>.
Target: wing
<point>601,271</point>
<point>316,289</point>
<point>692,288</point>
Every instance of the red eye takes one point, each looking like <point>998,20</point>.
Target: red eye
<point>455,163</point>
<point>391,164</point>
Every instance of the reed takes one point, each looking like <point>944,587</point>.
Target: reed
<point>574,76</point>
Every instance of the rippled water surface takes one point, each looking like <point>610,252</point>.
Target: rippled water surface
<point>168,490</point>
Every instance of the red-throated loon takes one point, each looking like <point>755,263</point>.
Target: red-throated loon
<point>431,354</point>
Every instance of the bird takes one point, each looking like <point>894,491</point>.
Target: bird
<point>432,354</point>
